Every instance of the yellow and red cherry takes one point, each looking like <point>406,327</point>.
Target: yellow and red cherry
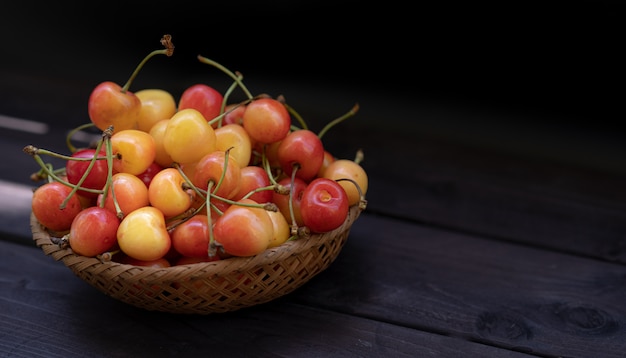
<point>206,99</point>
<point>266,120</point>
<point>188,136</point>
<point>130,192</point>
<point>162,157</point>
<point>304,149</point>
<point>191,238</point>
<point>167,193</point>
<point>233,114</point>
<point>46,205</point>
<point>156,104</point>
<point>143,235</point>
<point>295,190</point>
<point>254,178</point>
<point>110,104</point>
<point>328,158</point>
<point>225,177</point>
<point>282,229</point>
<point>233,137</point>
<point>93,231</point>
<point>133,151</point>
<point>348,169</point>
<point>244,230</point>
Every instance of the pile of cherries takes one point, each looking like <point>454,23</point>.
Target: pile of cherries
<point>194,180</point>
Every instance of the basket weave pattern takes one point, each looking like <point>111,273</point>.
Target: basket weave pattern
<point>210,287</point>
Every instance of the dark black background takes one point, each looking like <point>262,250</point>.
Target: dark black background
<point>562,57</point>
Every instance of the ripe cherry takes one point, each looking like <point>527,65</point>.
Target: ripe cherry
<point>324,205</point>
<point>266,120</point>
<point>93,231</point>
<point>110,104</point>
<point>304,149</point>
<point>97,176</point>
<point>203,98</point>
<point>46,206</point>
<point>244,230</point>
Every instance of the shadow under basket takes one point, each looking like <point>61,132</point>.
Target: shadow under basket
<point>209,287</point>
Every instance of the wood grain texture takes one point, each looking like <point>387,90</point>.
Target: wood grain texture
<point>48,312</point>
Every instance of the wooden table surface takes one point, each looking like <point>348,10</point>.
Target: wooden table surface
<point>490,231</point>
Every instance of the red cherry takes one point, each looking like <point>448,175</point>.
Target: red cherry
<point>324,205</point>
<point>97,177</point>
<point>204,99</point>
<point>302,148</point>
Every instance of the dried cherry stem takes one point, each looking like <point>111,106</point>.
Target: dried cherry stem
<point>336,121</point>
<point>107,256</point>
<point>62,242</point>
<point>227,72</point>
<point>166,41</point>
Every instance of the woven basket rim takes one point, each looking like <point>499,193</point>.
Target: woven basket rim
<point>217,268</point>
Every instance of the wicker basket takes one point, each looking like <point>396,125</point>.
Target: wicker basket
<point>210,287</point>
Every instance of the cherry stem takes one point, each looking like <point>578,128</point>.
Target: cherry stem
<point>223,175</point>
<point>212,249</point>
<point>294,113</point>
<point>362,200</point>
<point>223,114</point>
<point>169,51</point>
<point>359,156</point>
<point>257,190</point>
<point>227,72</point>
<point>47,169</point>
<point>41,151</point>
<point>266,165</point>
<point>226,96</point>
<point>188,182</point>
<point>336,121</point>
<point>68,138</point>
<point>106,137</point>
<point>92,162</point>
<point>294,225</point>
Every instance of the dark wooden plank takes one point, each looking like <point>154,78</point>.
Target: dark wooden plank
<point>48,312</point>
<point>488,291</point>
